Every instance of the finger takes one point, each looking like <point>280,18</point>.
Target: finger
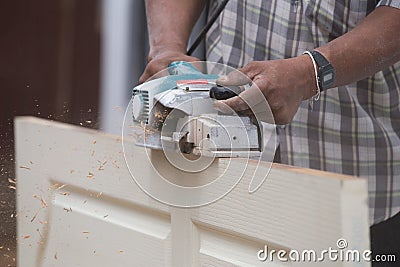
<point>144,78</point>
<point>222,107</point>
<point>250,102</point>
<point>258,103</point>
<point>157,67</point>
<point>262,112</point>
<point>234,78</point>
<point>253,95</point>
<point>245,100</point>
<point>152,68</point>
<point>241,77</point>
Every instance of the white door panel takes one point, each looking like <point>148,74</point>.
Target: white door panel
<point>79,206</point>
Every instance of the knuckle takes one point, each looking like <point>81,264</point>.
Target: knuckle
<point>253,64</point>
<point>152,67</point>
<point>274,101</point>
<point>283,118</point>
<point>275,105</point>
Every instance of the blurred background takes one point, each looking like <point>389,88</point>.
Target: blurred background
<point>70,61</point>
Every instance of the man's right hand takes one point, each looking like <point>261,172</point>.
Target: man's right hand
<point>161,61</point>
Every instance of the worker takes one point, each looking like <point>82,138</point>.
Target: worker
<point>330,72</point>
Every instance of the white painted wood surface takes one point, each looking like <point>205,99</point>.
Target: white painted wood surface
<point>79,206</point>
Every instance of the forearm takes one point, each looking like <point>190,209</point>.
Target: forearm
<point>170,23</point>
<point>370,47</point>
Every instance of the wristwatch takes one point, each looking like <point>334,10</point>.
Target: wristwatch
<point>326,72</point>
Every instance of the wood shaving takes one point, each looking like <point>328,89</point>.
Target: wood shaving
<point>12,187</point>
<point>61,187</point>
<point>55,256</point>
<point>119,109</point>
<point>39,233</point>
<point>44,204</point>
<point>90,175</point>
<point>26,236</point>
<point>101,167</point>
<point>53,186</point>
<point>35,215</point>
<point>11,181</point>
<point>115,164</point>
<point>24,167</point>
<point>68,210</point>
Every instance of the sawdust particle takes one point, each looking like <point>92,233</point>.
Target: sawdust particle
<point>61,187</point>
<point>119,109</point>
<point>102,164</point>
<point>68,210</point>
<point>24,167</point>
<point>35,215</point>
<point>115,164</point>
<point>42,201</point>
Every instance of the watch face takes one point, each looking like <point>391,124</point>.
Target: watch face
<point>327,76</point>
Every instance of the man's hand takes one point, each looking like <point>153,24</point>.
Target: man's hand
<point>284,84</point>
<point>161,61</point>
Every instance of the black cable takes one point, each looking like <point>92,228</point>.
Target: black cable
<point>204,31</point>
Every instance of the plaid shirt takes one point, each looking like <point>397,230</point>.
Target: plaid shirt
<point>354,129</point>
